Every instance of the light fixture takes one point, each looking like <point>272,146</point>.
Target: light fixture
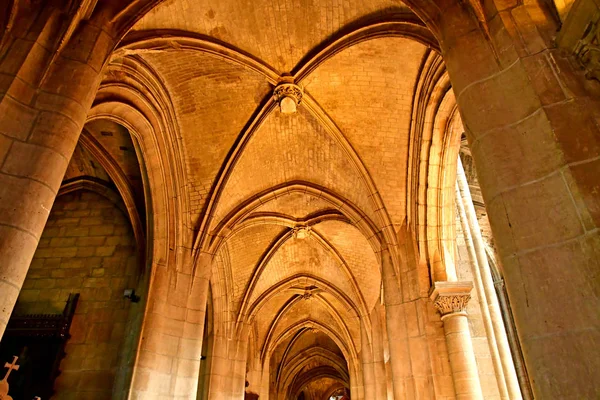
<point>130,294</point>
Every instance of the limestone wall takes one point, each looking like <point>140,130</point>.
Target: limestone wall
<point>87,247</point>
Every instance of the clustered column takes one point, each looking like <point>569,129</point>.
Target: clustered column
<point>403,386</point>
<point>482,275</point>
<point>450,299</point>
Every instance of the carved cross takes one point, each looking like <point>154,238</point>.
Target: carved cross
<point>11,367</point>
<point>4,382</point>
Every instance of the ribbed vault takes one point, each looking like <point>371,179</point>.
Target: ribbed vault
<point>291,171</point>
<point>292,209</point>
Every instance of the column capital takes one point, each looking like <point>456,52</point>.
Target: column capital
<point>450,297</point>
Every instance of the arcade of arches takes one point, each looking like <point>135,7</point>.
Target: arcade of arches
<point>312,199</point>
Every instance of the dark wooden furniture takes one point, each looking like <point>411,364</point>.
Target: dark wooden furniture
<point>39,341</point>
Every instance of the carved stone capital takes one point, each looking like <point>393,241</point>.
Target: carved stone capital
<point>451,297</point>
<point>580,35</point>
<point>587,52</point>
<point>289,96</point>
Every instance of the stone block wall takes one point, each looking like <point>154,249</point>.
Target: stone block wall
<point>87,247</point>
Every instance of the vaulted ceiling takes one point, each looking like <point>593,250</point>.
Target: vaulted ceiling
<point>290,205</point>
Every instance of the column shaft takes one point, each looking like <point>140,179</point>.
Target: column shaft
<point>397,332</point>
<point>366,356</point>
<point>168,362</point>
<point>450,299</point>
<point>513,340</point>
<point>42,114</point>
<point>462,356</point>
<point>485,311</point>
<point>228,369</point>
<point>487,283</point>
<point>521,100</point>
<point>378,356</point>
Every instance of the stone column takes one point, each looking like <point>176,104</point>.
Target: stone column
<point>513,340</point>
<point>221,370</point>
<point>401,373</point>
<point>366,358</point>
<point>238,377</point>
<point>44,100</point>
<point>168,362</point>
<point>255,373</point>
<point>356,386</point>
<point>450,299</point>
<point>206,364</point>
<point>228,369</point>
<point>490,307</point>
<point>531,123</point>
<point>265,381</point>
<point>378,356</point>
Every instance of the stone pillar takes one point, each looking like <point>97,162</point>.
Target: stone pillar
<point>450,299</point>
<point>168,362</point>
<point>265,381</point>
<point>206,364</point>
<point>401,374</point>
<point>366,357</point>
<point>531,123</point>
<point>490,307</point>
<point>238,377</point>
<point>228,369</point>
<point>220,370</point>
<point>357,388</point>
<point>513,339</point>
<point>378,355</point>
<point>44,100</point>
<point>255,373</point>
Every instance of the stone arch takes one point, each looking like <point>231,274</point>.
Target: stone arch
<point>437,146</point>
<point>434,147</point>
<point>407,27</point>
<point>362,306</point>
<point>349,210</point>
<point>346,334</point>
<point>151,123</point>
<point>136,100</point>
<point>349,352</point>
<point>441,176</point>
<point>124,18</point>
<point>310,376</point>
<point>449,145</point>
<point>304,357</point>
<point>404,27</point>
<point>330,126</point>
<point>182,40</point>
<point>103,190</point>
<point>250,310</point>
<point>120,180</point>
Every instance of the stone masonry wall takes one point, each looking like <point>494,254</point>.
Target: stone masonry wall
<point>87,247</point>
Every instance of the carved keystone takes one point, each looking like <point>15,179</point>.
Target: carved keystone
<point>289,96</point>
<point>301,232</point>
